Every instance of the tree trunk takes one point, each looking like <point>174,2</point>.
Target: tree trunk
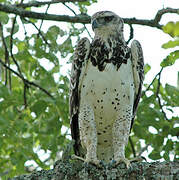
<point>77,170</point>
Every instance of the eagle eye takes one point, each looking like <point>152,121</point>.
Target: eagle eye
<point>108,18</point>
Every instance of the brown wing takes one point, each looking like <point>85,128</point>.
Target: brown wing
<point>80,57</point>
<point>138,73</point>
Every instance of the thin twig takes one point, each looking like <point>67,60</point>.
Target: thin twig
<point>163,11</point>
<point>39,31</point>
<point>6,54</point>
<point>87,31</point>
<point>158,97</point>
<point>131,33</point>
<point>76,15</point>
<point>132,146</point>
<point>43,3</point>
<point>68,7</point>
<point>143,149</point>
<point>143,93</point>
<point>11,45</point>
<point>43,20</point>
<point>25,97</point>
<point>26,81</point>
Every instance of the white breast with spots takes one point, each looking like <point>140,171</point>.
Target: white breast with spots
<point>108,92</point>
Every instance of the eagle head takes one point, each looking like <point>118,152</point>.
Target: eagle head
<point>107,23</point>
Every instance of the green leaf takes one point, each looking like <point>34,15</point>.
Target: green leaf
<point>16,29</point>
<point>178,81</point>
<point>39,107</point>
<point>4,91</point>
<point>174,131</point>
<point>158,141</point>
<point>171,44</point>
<point>169,145</point>
<point>173,92</point>
<point>166,156</point>
<point>172,29</point>
<point>4,18</point>
<point>54,31</point>
<point>147,68</point>
<point>176,29</point>
<point>155,155</point>
<point>170,59</point>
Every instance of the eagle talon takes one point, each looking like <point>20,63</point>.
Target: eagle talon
<point>112,163</point>
<point>102,163</point>
<point>138,159</point>
<point>123,160</point>
<point>92,161</point>
<point>73,156</point>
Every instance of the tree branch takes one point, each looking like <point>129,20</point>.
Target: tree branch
<point>131,33</point>
<point>25,80</point>
<point>76,15</point>
<point>132,146</point>
<point>161,12</point>
<point>143,93</point>
<point>158,97</point>
<point>84,19</point>
<point>143,149</point>
<point>6,54</point>
<point>65,18</point>
<point>39,3</point>
<point>39,31</point>
<point>11,46</point>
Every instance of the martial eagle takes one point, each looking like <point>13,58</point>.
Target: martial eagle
<point>106,83</point>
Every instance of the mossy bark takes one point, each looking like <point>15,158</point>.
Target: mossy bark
<point>77,170</point>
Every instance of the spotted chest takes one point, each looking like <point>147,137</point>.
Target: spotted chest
<point>109,51</point>
<point>108,93</point>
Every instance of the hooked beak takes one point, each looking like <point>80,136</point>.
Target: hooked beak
<point>94,25</point>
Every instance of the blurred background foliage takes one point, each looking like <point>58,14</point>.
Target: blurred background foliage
<point>34,119</point>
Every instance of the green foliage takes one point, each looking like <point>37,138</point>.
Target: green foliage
<point>172,29</point>
<point>31,120</point>
<point>147,68</point>
<point>170,59</point>
<point>171,44</point>
<point>156,109</point>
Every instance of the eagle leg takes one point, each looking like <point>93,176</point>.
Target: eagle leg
<point>88,135</point>
<point>121,130</point>
<point>120,160</point>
